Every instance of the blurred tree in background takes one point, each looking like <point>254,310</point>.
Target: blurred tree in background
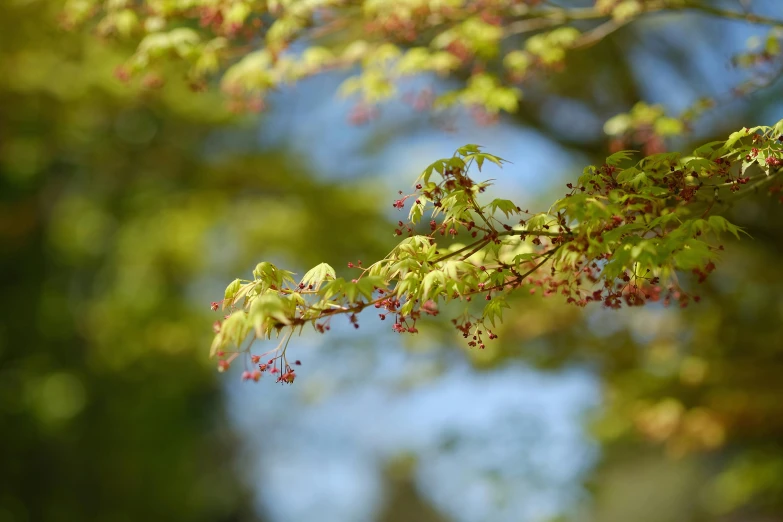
<point>87,435</point>
<point>109,208</point>
<point>114,215</point>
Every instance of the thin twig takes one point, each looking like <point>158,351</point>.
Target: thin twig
<point>594,36</point>
<point>480,242</point>
<point>750,18</point>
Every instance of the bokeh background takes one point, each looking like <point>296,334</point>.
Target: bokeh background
<point>125,209</point>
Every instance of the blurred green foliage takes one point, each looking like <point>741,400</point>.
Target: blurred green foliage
<point>116,228</point>
<point>701,385</point>
<point>91,431</point>
<point>112,222</point>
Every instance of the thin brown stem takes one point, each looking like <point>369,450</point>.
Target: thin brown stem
<point>480,242</point>
<point>750,18</point>
<point>597,34</point>
<point>521,277</point>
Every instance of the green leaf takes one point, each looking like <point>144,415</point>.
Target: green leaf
<point>351,292</point>
<point>431,282</point>
<point>620,156</point>
<point>232,331</point>
<point>735,137</point>
<point>285,276</point>
<point>506,206</point>
<point>695,254</point>
<point>495,159</point>
<point>318,274</point>
<point>439,166</point>
<point>454,268</point>
<point>332,288</point>
<point>627,174</point>
<point>717,223</point>
<point>407,308</point>
<point>470,148</point>
<point>525,257</point>
<point>402,267</point>
<point>409,285</point>
<point>706,150</point>
<point>268,309</point>
<point>639,179</point>
<point>232,289</point>
<point>239,294</point>
<point>494,309</point>
<point>367,285</point>
<point>264,271</point>
<point>456,162</point>
<point>721,224</point>
<point>417,210</point>
<point>218,343</point>
<point>699,165</point>
<point>271,276</point>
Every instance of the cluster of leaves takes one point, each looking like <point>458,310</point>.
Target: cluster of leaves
<point>648,126</point>
<point>763,57</point>
<point>259,45</point>
<point>619,236</point>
